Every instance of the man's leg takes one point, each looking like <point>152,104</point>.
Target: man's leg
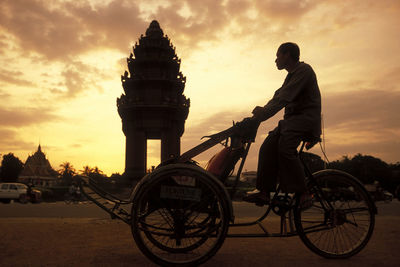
<point>291,172</point>
<point>267,169</point>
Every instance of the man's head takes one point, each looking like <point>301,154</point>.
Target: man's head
<point>288,55</point>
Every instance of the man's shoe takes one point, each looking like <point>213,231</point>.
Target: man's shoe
<point>258,198</point>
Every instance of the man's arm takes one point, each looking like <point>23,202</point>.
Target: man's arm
<point>270,109</point>
<point>286,94</point>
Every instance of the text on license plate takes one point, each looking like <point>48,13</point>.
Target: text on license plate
<point>182,193</point>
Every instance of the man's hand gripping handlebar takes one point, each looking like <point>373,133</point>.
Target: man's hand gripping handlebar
<point>247,128</point>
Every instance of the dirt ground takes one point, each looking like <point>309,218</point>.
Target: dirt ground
<point>105,242</point>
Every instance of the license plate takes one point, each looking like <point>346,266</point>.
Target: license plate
<point>181,193</point>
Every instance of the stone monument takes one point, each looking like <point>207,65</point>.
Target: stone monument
<point>153,106</point>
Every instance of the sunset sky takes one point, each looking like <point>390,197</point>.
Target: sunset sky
<point>61,63</point>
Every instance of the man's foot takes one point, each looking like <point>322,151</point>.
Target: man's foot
<point>257,197</point>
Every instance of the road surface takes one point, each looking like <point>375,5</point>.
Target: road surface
<point>57,234</point>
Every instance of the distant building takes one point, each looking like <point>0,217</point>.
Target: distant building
<point>38,171</point>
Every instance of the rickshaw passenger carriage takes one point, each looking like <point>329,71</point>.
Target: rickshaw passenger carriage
<point>180,213</point>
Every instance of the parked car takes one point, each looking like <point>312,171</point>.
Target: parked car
<point>19,192</point>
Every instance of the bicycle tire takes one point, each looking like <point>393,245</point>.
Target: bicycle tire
<point>341,219</point>
<point>177,230</point>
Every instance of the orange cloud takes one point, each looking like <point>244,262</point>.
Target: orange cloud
<point>63,29</point>
<point>68,28</point>
<point>362,110</point>
<point>25,116</point>
<point>13,77</point>
<point>11,142</point>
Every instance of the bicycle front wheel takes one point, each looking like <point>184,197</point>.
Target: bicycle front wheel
<point>339,219</point>
<point>180,217</point>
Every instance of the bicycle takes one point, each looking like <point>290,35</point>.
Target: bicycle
<point>181,213</point>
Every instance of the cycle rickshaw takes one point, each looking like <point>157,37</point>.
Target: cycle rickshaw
<point>180,213</point>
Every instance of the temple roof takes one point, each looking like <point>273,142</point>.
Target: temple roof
<point>37,165</point>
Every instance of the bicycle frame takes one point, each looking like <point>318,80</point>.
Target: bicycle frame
<point>244,139</point>
<point>286,217</point>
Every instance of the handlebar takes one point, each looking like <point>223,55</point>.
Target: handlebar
<point>246,130</point>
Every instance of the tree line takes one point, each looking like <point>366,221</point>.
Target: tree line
<point>11,167</point>
<point>366,168</point>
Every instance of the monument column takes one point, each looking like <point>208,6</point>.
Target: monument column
<point>136,154</point>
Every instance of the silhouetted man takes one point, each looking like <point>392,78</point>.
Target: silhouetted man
<point>300,96</point>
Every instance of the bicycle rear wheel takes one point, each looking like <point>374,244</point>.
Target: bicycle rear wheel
<point>340,219</point>
<point>180,217</point>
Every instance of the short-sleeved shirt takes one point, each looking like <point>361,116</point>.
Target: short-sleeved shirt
<point>301,98</point>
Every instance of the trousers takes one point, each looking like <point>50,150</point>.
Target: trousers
<point>278,162</point>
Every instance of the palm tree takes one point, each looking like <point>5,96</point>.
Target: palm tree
<point>67,169</point>
<point>86,171</point>
<point>97,171</point>
<point>97,174</point>
<point>67,172</point>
